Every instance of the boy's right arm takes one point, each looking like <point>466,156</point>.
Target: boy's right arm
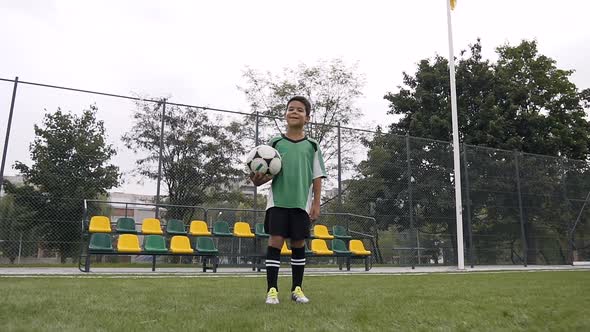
<point>259,178</point>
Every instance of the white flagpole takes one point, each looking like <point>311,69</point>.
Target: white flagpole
<point>456,155</point>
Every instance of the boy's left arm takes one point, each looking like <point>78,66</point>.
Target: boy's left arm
<point>314,213</point>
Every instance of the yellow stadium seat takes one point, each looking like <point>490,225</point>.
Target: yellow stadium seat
<point>321,232</point>
<point>199,228</point>
<point>242,229</point>
<point>128,243</point>
<point>320,248</point>
<point>151,226</point>
<point>285,251</point>
<point>180,244</point>
<point>100,224</point>
<point>358,249</point>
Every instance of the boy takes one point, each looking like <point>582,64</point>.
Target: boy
<point>294,198</point>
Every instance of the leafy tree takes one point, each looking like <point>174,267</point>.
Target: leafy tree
<point>70,163</point>
<point>333,89</point>
<point>521,102</point>
<point>199,155</point>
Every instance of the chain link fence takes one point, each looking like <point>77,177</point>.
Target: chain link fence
<point>396,194</point>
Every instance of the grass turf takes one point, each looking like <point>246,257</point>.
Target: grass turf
<point>446,302</point>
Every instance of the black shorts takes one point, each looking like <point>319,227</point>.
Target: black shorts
<point>288,223</point>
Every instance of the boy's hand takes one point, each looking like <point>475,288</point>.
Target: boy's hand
<point>259,178</point>
<point>314,212</point>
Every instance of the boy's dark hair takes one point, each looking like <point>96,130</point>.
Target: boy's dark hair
<point>302,100</point>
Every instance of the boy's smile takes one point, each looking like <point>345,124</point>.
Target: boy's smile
<point>296,115</point>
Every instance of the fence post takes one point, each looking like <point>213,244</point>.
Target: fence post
<point>468,201</point>
<point>520,211</point>
<point>567,204</point>
<point>413,232</point>
<point>20,247</point>
<point>8,126</point>
<point>163,103</point>
<point>256,140</point>
<point>339,170</point>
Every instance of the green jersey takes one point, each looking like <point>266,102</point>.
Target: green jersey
<point>302,162</point>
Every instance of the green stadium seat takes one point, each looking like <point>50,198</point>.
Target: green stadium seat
<point>221,228</point>
<point>126,226</point>
<point>339,248</point>
<point>175,227</point>
<point>259,230</point>
<point>340,232</point>
<point>155,244</point>
<point>205,245</point>
<point>100,242</point>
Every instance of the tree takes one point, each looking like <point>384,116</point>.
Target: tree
<point>333,89</point>
<point>199,157</point>
<point>521,102</point>
<point>70,163</point>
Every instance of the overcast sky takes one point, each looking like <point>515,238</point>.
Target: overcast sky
<point>195,51</point>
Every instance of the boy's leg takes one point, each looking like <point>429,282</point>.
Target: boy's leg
<point>273,261</point>
<point>275,223</point>
<point>299,225</point>
<point>297,262</point>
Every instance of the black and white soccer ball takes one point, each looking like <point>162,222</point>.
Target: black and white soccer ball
<point>264,159</point>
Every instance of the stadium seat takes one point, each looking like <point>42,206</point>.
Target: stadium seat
<point>126,226</point>
<point>180,245</point>
<point>321,232</point>
<point>308,251</point>
<point>340,232</point>
<point>320,248</point>
<point>259,230</point>
<point>206,248</point>
<point>205,245</point>
<point>99,224</point>
<point>175,227</point>
<point>128,243</point>
<point>199,228</point>
<point>151,226</point>
<point>242,229</point>
<point>100,242</point>
<point>285,251</point>
<point>339,247</point>
<point>357,248</point>
<point>154,244</point>
<point>221,228</point>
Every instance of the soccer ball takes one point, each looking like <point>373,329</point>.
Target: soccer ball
<point>264,159</point>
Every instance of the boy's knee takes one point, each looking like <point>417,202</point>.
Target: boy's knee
<point>276,241</point>
<point>297,243</point>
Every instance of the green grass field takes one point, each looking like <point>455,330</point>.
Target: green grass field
<point>535,301</point>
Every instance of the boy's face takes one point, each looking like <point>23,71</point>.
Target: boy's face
<point>296,115</point>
